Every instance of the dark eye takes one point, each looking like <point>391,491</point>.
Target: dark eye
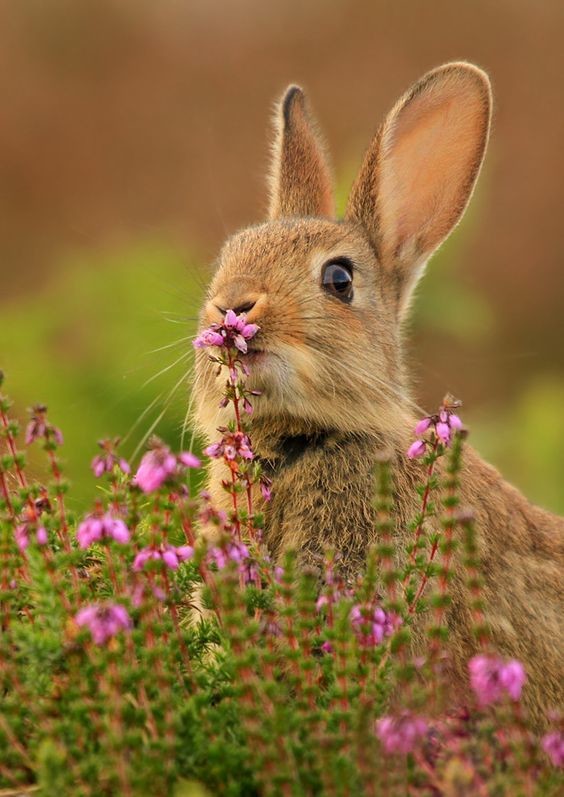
<point>337,279</point>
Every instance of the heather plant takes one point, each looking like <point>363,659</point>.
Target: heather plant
<point>153,643</point>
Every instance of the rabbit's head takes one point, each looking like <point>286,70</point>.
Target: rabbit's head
<point>330,295</point>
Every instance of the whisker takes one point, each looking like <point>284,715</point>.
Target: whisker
<point>183,356</point>
<point>161,415</point>
<point>140,418</point>
<point>185,339</point>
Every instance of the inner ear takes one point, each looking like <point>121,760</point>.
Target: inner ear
<point>300,179</point>
<point>419,171</point>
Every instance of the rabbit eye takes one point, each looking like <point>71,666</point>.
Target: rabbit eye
<point>337,279</point>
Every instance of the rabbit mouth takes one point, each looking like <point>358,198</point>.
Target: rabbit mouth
<point>254,356</point>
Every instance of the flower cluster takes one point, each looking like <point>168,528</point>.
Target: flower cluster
<point>491,678</point>
<point>231,552</point>
<point>233,333</point>
<point>372,624</point>
<point>160,464</point>
<point>108,459</point>
<point>171,556</point>
<point>100,526</point>
<point>39,427</point>
<point>231,446</point>
<point>401,734</point>
<point>103,622</point>
<point>444,424</point>
<point>553,746</point>
<point>23,531</point>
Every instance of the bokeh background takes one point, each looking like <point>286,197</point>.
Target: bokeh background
<point>134,138</point>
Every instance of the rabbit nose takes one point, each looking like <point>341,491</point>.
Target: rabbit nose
<point>245,307</point>
<point>253,303</point>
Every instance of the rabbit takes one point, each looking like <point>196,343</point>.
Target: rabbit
<point>330,297</point>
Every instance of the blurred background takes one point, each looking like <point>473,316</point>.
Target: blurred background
<point>134,138</point>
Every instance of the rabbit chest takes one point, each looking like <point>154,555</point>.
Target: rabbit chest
<point>322,497</point>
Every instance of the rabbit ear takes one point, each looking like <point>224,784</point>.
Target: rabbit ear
<point>300,182</point>
<point>420,169</point>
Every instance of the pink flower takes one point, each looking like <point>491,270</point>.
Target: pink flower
<point>22,532</point>
<point>422,426</point>
<point>232,334</point>
<point>512,678</point>
<point>97,527</point>
<point>416,449</point>
<point>231,446</point>
<point>189,460</point>
<point>105,462</point>
<point>159,464</point>
<point>156,466</point>
<point>455,422</point>
<point>553,746</point>
<point>266,488</point>
<point>39,427</point>
<point>401,734</point>
<point>103,622</point>
<point>170,556</point>
<point>490,678</point>
<point>371,624</point>
<point>443,432</point>
<point>233,552</point>
<point>209,337</point>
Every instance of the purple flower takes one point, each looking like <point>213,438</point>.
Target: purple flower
<point>512,678</point>
<point>103,622</point>
<point>156,466</point>
<point>371,624</point>
<point>108,459</point>
<point>553,746</point>
<point>401,734</point>
<point>231,446</point>
<point>159,464</point>
<point>443,432</point>
<point>327,647</point>
<point>266,488</point>
<point>209,337</point>
<point>444,424</point>
<point>490,678</point>
<point>22,534</point>
<point>233,552</point>
<point>189,460</point>
<point>422,426</point>
<point>170,556</point>
<point>233,333</point>
<point>416,449</point>
<point>39,427</point>
<point>41,535</point>
<point>97,527</point>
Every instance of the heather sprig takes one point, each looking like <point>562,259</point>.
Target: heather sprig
<point>138,652</point>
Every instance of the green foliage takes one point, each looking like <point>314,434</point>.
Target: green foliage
<point>288,684</point>
<point>91,340</point>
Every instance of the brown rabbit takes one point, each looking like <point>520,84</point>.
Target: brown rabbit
<point>330,297</point>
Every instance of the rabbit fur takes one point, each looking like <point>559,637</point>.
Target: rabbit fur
<point>335,393</point>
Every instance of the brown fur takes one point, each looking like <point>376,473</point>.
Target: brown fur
<point>334,392</point>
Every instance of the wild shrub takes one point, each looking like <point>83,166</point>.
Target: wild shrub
<point>154,644</point>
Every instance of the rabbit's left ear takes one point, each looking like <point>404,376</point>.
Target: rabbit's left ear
<point>300,181</point>
<point>419,171</point>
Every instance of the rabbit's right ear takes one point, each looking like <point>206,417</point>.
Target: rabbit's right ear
<point>300,181</point>
<point>420,169</point>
